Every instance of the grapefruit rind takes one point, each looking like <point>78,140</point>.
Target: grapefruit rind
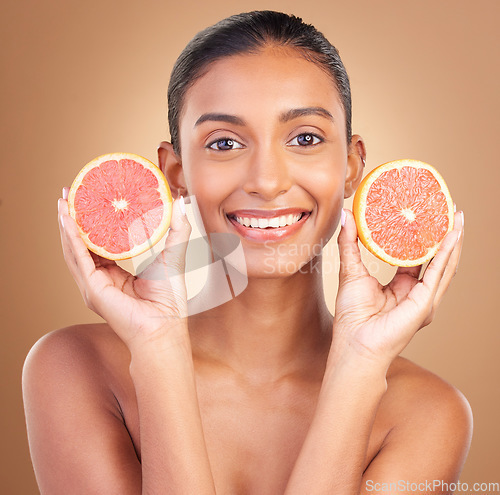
<point>359,211</point>
<point>163,189</point>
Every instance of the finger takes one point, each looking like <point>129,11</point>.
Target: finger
<point>418,305</point>
<point>165,275</point>
<point>76,252</point>
<point>66,247</point>
<point>173,254</point>
<point>452,265</point>
<point>68,254</point>
<point>403,281</point>
<point>412,271</point>
<point>455,255</point>
<point>101,262</point>
<point>425,292</point>
<point>351,265</point>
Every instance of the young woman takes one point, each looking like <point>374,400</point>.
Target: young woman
<point>268,393</point>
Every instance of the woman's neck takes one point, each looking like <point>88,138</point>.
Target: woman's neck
<point>273,328</point>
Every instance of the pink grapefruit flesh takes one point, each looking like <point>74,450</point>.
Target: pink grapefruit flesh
<point>403,210</point>
<point>122,205</point>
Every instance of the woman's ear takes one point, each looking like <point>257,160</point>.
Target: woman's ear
<point>355,165</point>
<point>171,166</point>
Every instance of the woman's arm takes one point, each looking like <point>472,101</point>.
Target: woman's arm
<point>373,324</point>
<point>332,458</point>
<point>149,314</point>
<point>174,455</point>
<point>428,446</point>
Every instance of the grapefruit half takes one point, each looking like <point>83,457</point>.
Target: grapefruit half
<point>403,210</point>
<point>122,205</point>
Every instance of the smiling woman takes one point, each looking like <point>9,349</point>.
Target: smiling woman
<point>283,145</point>
<point>268,393</point>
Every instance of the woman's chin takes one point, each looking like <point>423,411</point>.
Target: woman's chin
<point>274,269</point>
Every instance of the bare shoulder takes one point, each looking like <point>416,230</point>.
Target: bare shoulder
<point>415,391</point>
<point>88,357</point>
<point>428,425</point>
<point>79,442</point>
<point>85,343</point>
<point>86,337</point>
<point>87,360</point>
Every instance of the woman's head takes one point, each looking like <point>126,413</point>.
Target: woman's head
<point>251,32</point>
<point>264,124</point>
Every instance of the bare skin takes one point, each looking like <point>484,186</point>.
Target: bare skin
<point>253,432</point>
<point>286,377</point>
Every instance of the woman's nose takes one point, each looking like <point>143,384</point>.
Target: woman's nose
<point>268,174</point>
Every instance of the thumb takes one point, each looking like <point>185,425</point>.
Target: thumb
<point>166,273</point>
<point>174,252</point>
<point>351,266</point>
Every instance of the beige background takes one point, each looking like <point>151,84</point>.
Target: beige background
<point>84,78</point>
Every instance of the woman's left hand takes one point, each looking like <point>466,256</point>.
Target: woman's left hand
<point>379,321</point>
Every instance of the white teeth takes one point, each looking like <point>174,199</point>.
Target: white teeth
<point>262,223</point>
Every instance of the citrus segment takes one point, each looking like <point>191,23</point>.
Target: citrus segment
<point>122,205</point>
<point>403,210</point>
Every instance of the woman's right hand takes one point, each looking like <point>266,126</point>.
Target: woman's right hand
<point>378,321</point>
<point>138,308</point>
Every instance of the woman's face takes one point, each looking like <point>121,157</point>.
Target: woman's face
<point>263,140</point>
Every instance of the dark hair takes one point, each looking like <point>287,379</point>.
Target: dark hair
<point>250,32</point>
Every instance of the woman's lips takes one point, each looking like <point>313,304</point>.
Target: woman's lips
<point>269,233</point>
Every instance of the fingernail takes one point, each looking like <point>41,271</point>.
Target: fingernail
<point>182,205</point>
<point>65,193</point>
<point>62,221</point>
<point>342,217</point>
<point>463,219</point>
<point>455,207</point>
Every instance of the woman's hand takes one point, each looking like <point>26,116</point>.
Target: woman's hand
<point>138,308</point>
<point>378,321</point>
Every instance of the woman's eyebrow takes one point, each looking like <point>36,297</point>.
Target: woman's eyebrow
<point>220,117</point>
<point>291,114</point>
<point>301,112</point>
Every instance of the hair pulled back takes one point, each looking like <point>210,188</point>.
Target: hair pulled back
<point>250,32</point>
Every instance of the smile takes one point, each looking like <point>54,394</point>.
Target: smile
<point>264,223</point>
<point>268,225</point>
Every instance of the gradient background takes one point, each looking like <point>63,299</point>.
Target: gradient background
<point>85,78</point>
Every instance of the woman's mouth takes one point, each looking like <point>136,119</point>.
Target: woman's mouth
<point>268,225</point>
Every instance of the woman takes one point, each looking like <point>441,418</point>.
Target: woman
<point>268,393</point>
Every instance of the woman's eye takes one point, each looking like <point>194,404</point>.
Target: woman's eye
<point>224,144</point>
<point>306,139</point>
